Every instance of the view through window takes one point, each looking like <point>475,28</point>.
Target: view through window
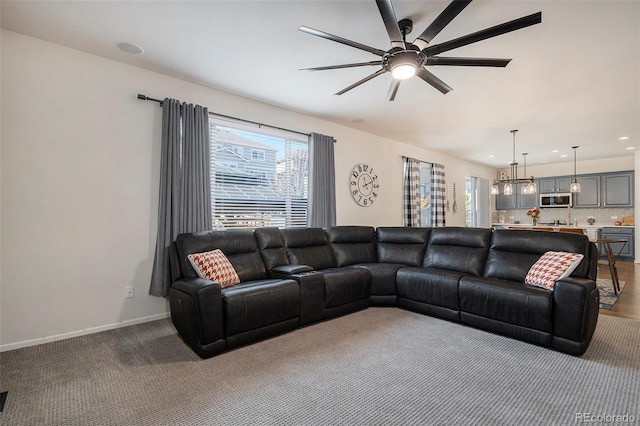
<point>425,194</point>
<point>257,179</point>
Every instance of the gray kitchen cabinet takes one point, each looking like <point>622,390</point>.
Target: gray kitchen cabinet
<point>589,195</point>
<point>505,202</point>
<point>554,184</point>
<point>517,200</point>
<point>526,201</point>
<point>617,189</point>
<point>619,233</point>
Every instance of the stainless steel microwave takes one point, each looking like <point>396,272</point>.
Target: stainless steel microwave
<point>556,200</point>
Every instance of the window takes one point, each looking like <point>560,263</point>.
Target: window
<point>425,194</point>
<point>477,201</point>
<point>269,188</point>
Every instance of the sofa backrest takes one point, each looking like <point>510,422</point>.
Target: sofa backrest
<point>513,252</point>
<point>402,245</point>
<point>272,248</point>
<point>458,249</point>
<point>239,246</point>
<point>352,244</point>
<point>308,246</point>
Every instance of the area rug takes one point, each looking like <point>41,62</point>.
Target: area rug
<point>607,297</point>
<point>380,366</point>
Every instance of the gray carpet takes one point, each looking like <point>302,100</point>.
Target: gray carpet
<point>378,366</point>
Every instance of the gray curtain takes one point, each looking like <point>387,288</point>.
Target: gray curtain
<point>411,205</point>
<point>321,211</point>
<point>185,191</point>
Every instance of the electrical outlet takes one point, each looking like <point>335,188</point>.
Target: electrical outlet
<point>129,292</point>
<point>614,217</point>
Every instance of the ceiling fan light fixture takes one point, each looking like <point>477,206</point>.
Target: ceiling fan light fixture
<point>403,71</point>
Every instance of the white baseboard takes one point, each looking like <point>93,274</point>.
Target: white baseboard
<point>90,330</point>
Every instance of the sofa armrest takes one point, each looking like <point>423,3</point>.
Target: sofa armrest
<point>292,269</point>
<point>196,311</point>
<point>575,305</point>
<point>311,293</point>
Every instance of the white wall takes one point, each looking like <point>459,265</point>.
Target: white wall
<point>80,166</point>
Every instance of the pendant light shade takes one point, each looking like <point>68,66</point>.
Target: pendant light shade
<point>508,189</point>
<point>575,185</point>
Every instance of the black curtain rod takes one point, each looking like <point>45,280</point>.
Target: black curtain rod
<point>411,158</point>
<point>147,98</point>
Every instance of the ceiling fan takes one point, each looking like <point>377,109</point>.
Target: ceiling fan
<point>405,59</point>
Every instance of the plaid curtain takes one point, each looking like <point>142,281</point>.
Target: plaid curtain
<point>438,195</point>
<point>411,206</point>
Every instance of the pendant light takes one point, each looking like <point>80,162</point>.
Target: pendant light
<point>575,186</point>
<point>529,184</point>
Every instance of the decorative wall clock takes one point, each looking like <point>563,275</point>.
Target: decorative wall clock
<point>363,184</point>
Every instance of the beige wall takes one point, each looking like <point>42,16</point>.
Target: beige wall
<point>80,165</point>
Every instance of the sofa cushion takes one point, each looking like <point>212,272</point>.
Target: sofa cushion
<point>513,252</point>
<point>401,245</point>
<point>458,249</point>
<point>259,303</point>
<point>383,277</point>
<point>345,285</point>
<point>308,246</point>
<point>551,267</point>
<point>509,302</point>
<point>352,244</point>
<point>214,265</point>
<point>271,245</point>
<point>429,285</point>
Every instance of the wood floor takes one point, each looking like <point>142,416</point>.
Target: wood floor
<point>628,305</point>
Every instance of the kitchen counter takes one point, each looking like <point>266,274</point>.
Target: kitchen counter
<point>556,227</point>
<point>591,231</point>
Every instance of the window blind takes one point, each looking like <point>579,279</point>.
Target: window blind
<point>257,179</point>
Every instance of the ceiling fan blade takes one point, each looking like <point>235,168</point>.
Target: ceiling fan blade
<point>391,23</point>
<point>468,62</point>
<point>447,15</point>
<point>507,27</point>
<point>342,40</point>
<point>335,67</point>
<point>364,80</point>
<point>393,89</point>
<point>433,80</point>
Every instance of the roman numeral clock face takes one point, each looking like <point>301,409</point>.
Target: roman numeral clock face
<point>363,184</point>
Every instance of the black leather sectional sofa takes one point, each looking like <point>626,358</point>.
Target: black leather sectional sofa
<point>294,277</point>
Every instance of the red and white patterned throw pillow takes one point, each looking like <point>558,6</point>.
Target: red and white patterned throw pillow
<point>214,265</point>
<point>551,267</point>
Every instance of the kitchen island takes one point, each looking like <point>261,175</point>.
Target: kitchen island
<point>593,232</point>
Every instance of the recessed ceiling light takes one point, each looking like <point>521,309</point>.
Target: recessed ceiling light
<point>623,138</point>
<point>492,156</point>
<point>545,162</point>
<point>555,150</point>
<point>630,147</point>
<point>564,155</point>
<point>130,48</point>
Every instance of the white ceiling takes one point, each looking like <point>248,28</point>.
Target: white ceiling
<point>574,78</point>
